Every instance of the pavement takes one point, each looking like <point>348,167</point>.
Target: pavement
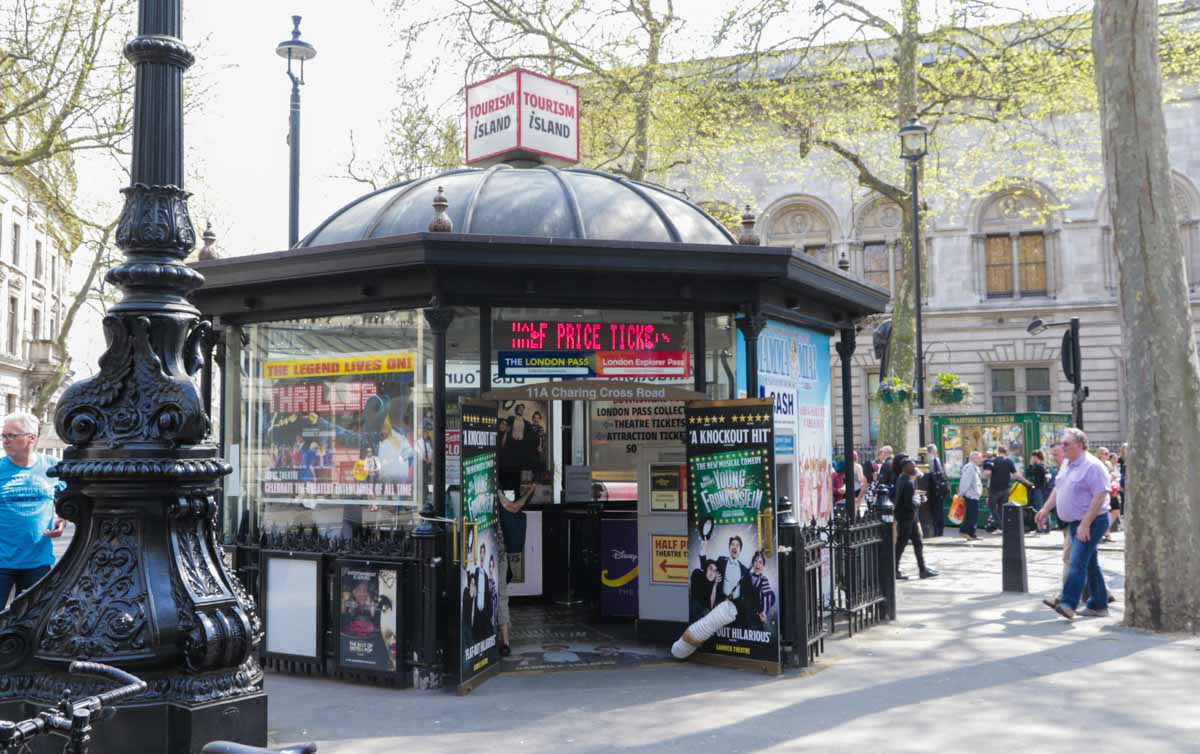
<point>965,667</point>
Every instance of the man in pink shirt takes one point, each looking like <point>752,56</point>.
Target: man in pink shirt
<point>1081,491</point>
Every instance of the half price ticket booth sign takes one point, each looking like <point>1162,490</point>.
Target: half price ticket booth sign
<point>670,564</point>
<point>522,114</point>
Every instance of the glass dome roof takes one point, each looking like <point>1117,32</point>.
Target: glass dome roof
<point>540,201</point>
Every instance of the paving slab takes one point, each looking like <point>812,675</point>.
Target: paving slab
<point>964,668</point>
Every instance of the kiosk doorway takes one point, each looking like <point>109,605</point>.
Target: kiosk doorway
<point>584,590</point>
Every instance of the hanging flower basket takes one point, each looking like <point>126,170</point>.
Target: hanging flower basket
<point>950,388</point>
<point>894,390</point>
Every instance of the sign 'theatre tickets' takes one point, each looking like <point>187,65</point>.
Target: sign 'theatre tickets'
<point>522,114</point>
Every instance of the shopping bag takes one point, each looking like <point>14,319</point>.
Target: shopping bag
<point>958,509</point>
<point>1018,494</point>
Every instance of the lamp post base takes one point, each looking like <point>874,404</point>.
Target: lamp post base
<point>171,726</point>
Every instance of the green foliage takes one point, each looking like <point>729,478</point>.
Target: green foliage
<point>949,388</point>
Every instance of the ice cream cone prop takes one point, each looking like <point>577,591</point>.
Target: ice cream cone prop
<point>702,630</point>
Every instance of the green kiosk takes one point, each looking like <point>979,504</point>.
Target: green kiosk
<point>957,435</point>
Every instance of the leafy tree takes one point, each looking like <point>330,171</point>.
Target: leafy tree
<point>655,100</point>
<point>1004,93</point>
<point>1162,559</point>
<point>65,94</point>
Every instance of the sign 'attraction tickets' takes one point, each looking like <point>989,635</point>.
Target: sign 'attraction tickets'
<point>731,527</point>
<point>520,113</point>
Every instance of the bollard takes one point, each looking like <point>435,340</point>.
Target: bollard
<point>1015,574</point>
<point>887,555</point>
<point>792,599</point>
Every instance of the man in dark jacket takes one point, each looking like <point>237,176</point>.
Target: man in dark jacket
<point>907,527</point>
<point>735,580</point>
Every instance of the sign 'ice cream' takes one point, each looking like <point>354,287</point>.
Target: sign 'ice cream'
<point>520,114</point>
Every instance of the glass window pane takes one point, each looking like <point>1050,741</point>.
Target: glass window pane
<point>873,407</point>
<point>875,264</point>
<point>1031,250</point>
<point>1037,378</point>
<point>1003,380</point>
<point>999,266</point>
<point>1037,402</point>
<point>1004,404</point>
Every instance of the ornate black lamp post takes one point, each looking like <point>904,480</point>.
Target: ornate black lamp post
<point>142,586</point>
<point>294,49</point>
<point>914,145</point>
<point>1072,362</point>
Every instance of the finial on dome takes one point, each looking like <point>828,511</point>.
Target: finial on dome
<point>209,250</point>
<point>748,237</point>
<point>441,222</point>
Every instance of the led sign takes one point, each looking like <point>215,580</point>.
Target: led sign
<point>582,335</point>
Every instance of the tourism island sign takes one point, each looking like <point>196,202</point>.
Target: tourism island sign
<point>520,114</point>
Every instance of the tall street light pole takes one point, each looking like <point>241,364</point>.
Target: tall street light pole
<point>143,585</point>
<point>914,145</point>
<point>294,49</point>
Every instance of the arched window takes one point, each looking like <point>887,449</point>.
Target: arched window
<point>805,224</point>
<point>877,229</point>
<point>1187,211</point>
<point>1015,244</point>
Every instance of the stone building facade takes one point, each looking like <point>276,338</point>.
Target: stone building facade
<point>992,264</point>
<point>34,273</point>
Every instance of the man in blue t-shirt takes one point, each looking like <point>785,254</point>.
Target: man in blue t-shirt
<point>27,521</point>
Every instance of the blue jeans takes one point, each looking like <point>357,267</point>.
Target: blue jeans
<point>1085,567</point>
<point>970,517</point>
<point>22,577</point>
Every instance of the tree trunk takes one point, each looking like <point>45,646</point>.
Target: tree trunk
<point>894,418</point>
<point>1162,554</point>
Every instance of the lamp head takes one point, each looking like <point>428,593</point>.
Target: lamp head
<point>1037,326</point>
<point>295,48</point>
<point>914,140</point>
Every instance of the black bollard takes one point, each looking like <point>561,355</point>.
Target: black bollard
<point>1015,574</point>
<point>887,554</point>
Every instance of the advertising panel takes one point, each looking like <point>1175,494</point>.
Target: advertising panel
<point>794,372</point>
<point>339,430</point>
<point>619,567</point>
<point>479,570</point>
<point>367,616</point>
<point>731,527</point>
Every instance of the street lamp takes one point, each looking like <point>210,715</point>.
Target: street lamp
<point>1071,361</point>
<point>294,49</point>
<point>914,144</point>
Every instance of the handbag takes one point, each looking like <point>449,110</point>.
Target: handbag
<point>958,510</point>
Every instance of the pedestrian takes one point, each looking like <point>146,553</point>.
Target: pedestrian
<point>860,482</point>
<point>1039,475</point>
<point>939,490</point>
<point>907,527</point>
<point>509,512</point>
<point>27,520</point>
<point>1003,471</point>
<point>887,474</point>
<point>970,488</point>
<point>1081,498</point>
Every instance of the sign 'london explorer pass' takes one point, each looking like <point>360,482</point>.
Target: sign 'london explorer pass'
<point>520,114</point>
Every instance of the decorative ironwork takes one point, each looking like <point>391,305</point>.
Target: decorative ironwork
<point>143,582</point>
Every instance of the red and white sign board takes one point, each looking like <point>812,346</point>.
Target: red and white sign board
<point>522,115</point>
<point>643,364</point>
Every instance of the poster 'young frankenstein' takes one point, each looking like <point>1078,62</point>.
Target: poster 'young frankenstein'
<point>480,570</point>
<point>731,525</point>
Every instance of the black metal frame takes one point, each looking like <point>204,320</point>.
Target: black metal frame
<point>858,556</point>
<point>297,663</point>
